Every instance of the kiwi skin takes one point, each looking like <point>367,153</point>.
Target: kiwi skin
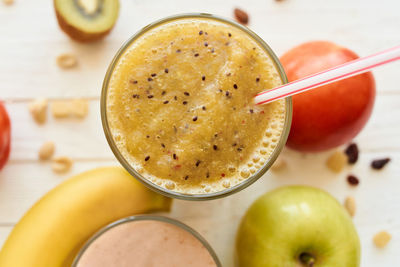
<point>75,33</point>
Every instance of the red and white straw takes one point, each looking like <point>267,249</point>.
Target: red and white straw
<point>340,72</point>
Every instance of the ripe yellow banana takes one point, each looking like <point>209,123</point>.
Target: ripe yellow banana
<point>53,230</point>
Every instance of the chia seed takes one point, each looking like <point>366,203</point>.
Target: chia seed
<point>149,79</point>
<point>215,147</point>
<point>166,70</point>
<point>163,92</point>
<point>196,55</point>
<point>200,32</point>
<point>147,158</point>
<point>153,75</point>
<point>184,102</point>
<point>186,93</point>
<point>257,80</point>
<point>235,86</point>
<point>166,102</point>
<point>195,118</point>
<point>150,96</point>
<point>198,163</point>
<point>203,78</point>
<point>203,108</point>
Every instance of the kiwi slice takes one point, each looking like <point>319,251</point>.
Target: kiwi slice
<point>86,20</point>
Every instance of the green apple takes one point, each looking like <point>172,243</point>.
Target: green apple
<point>297,226</point>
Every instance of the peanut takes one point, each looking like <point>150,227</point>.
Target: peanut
<point>381,239</point>
<point>46,151</point>
<point>62,164</point>
<point>336,161</point>
<point>38,110</point>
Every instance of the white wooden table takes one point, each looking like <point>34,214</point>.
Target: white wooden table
<point>30,40</point>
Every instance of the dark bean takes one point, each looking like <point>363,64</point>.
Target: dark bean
<point>150,96</point>
<point>352,153</point>
<point>235,86</point>
<point>195,118</point>
<point>196,55</point>
<point>215,147</point>
<point>147,158</point>
<point>184,102</point>
<point>379,163</point>
<point>198,163</point>
<point>241,16</point>
<point>153,74</point>
<point>149,79</point>
<point>166,102</point>
<point>200,32</point>
<point>186,93</point>
<point>203,78</point>
<point>352,180</point>
<point>166,70</point>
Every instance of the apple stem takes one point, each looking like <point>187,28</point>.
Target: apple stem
<point>307,259</point>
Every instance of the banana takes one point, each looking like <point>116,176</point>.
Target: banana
<point>51,233</point>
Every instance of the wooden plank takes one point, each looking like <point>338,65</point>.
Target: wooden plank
<point>33,53</point>
<point>84,139</point>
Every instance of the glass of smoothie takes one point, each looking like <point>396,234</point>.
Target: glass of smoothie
<point>178,112</point>
<point>146,240</point>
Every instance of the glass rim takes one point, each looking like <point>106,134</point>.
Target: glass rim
<point>171,193</point>
<point>158,218</point>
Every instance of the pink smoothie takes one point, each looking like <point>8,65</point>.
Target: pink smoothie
<point>146,243</point>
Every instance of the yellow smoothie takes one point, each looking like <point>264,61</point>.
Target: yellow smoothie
<point>180,105</point>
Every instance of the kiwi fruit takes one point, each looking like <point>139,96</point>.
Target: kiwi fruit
<point>86,20</point>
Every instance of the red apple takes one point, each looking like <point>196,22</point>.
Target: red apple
<point>333,114</point>
<point>5,137</point>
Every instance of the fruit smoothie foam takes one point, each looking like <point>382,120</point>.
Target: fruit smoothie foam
<point>146,243</point>
<point>180,105</point>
